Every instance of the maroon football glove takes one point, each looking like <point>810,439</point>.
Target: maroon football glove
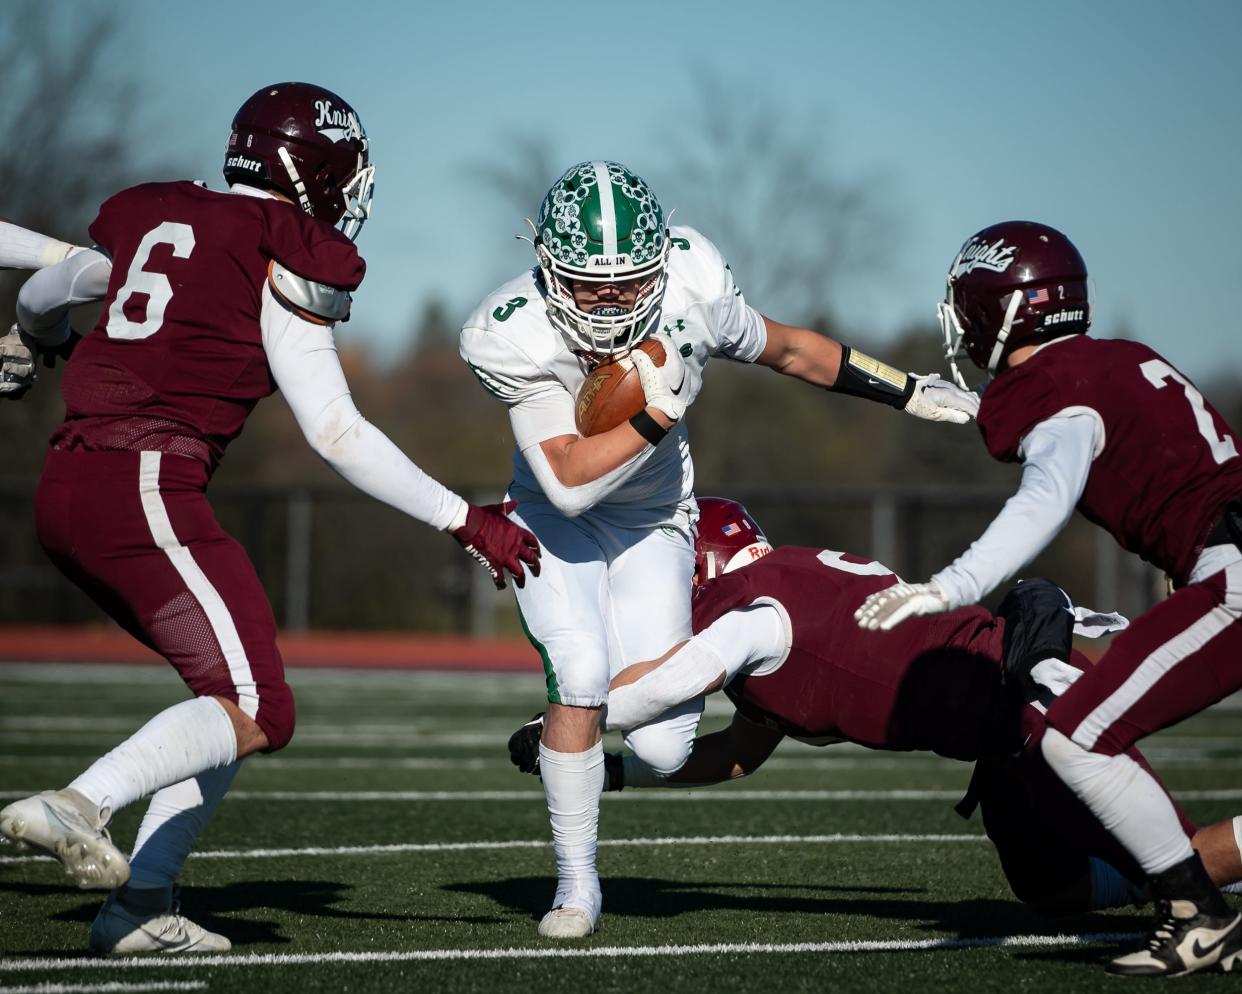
<point>497,543</point>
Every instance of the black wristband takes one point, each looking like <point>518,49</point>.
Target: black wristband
<point>862,376</point>
<point>648,427</point>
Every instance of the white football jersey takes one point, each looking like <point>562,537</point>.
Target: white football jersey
<point>520,358</point>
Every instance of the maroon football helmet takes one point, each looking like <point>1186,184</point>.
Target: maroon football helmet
<point>725,538</point>
<point>1015,283</point>
<point>307,143</point>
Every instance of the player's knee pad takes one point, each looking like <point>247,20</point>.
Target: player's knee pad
<point>577,676</point>
<point>277,715</point>
<point>664,748</point>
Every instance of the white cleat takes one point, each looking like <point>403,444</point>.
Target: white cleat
<point>119,932</point>
<point>566,923</point>
<point>66,825</point>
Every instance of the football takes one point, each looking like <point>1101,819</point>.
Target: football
<point>611,393</point>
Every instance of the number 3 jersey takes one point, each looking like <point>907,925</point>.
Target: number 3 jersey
<point>176,362</point>
<point>520,358</point>
<point>1165,462</point>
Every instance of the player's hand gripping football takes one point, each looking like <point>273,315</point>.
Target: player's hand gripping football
<point>669,388</point>
<point>18,366</point>
<point>935,399</point>
<point>888,608</point>
<point>498,544</point>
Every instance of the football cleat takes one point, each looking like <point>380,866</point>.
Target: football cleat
<point>116,931</point>
<point>566,923</point>
<point>524,745</point>
<point>1185,940</point>
<point>66,825</point>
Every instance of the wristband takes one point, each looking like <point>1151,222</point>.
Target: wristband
<point>862,376</point>
<point>648,427</point>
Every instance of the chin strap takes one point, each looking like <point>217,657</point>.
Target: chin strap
<point>1002,336</point>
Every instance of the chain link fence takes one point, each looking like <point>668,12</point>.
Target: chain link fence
<point>331,558</point>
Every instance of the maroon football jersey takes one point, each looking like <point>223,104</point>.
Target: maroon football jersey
<point>176,362</point>
<point>1169,463</point>
<point>928,684</point>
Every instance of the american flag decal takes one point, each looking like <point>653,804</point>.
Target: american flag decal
<point>1039,296</point>
<point>731,529</point>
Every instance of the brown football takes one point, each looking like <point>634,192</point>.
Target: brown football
<point>611,392</point>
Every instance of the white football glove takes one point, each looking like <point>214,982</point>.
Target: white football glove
<point>670,388</point>
<point>935,399</point>
<point>886,609</point>
<point>19,366</point>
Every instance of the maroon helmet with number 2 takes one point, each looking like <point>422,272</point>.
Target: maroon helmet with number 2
<point>1013,284</point>
<point>725,538</point>
<point>307,143</point>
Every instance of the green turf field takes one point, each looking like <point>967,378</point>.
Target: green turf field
<point>392,847</point>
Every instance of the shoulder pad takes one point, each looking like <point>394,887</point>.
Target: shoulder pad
<point>317,302</point>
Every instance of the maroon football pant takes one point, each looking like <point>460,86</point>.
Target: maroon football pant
<point>135,532</point>
<point>1044,835</point>
<point>1182,656</point>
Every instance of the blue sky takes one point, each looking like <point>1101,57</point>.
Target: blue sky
<point>1117,122</point>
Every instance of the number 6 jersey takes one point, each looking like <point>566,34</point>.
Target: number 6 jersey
<point>1165,462</point>
<point>176,362</point>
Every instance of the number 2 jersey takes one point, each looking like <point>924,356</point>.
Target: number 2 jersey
<point>930,684</point>
<point>520,358</point>
<point>1165,462</point>
<point>176,362</point>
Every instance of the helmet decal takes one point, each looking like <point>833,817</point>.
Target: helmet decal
<point>600,223</point>
<point>978,254</point>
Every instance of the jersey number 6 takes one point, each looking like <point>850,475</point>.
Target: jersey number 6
<point>156,286</point>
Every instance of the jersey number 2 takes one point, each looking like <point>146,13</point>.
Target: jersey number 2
<point>1157,372</point>
<point>156,286</point>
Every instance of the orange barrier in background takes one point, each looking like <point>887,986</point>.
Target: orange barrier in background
<point>363,650</point>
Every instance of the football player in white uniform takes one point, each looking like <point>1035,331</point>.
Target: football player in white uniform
<point>613,511</point>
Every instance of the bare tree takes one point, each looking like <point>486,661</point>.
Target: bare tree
<point>756,179</point>
<point>761,182</point>
<point>71,110</point>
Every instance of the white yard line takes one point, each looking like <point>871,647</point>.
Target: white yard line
<point>112,987</point>
<point>560,952</point>
<point>490,796</point>
<point>697,796</point>
<point>489,846</point>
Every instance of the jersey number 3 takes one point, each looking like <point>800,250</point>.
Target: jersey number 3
<point>1157,373</point>
<point>156,286</point>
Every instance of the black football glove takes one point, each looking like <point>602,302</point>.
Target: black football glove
<point>524,754</point>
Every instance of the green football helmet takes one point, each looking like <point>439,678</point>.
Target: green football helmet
<point>600,223</point>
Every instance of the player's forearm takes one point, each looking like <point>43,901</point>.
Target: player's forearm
<point>21,248</point>
<point>1058,459</point>
<point>801,353</point>
<point>368,459</point>
<point>577,460</point>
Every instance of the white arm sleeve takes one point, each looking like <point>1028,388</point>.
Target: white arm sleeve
<point>744,639</point>
<point>572,501</point>
<point>307,370</point>
<point>1057,456</point>
<point>44,301</point>
<point>21,248</point>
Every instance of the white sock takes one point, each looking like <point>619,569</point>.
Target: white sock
<point>178,743</point>
<point>572,782</point>
<point>1110,888</point>
<point>1125,798</point>
<point>174,820</point>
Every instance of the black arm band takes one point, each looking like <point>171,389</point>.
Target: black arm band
<point>862,376</point>
<point>646,425</point>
